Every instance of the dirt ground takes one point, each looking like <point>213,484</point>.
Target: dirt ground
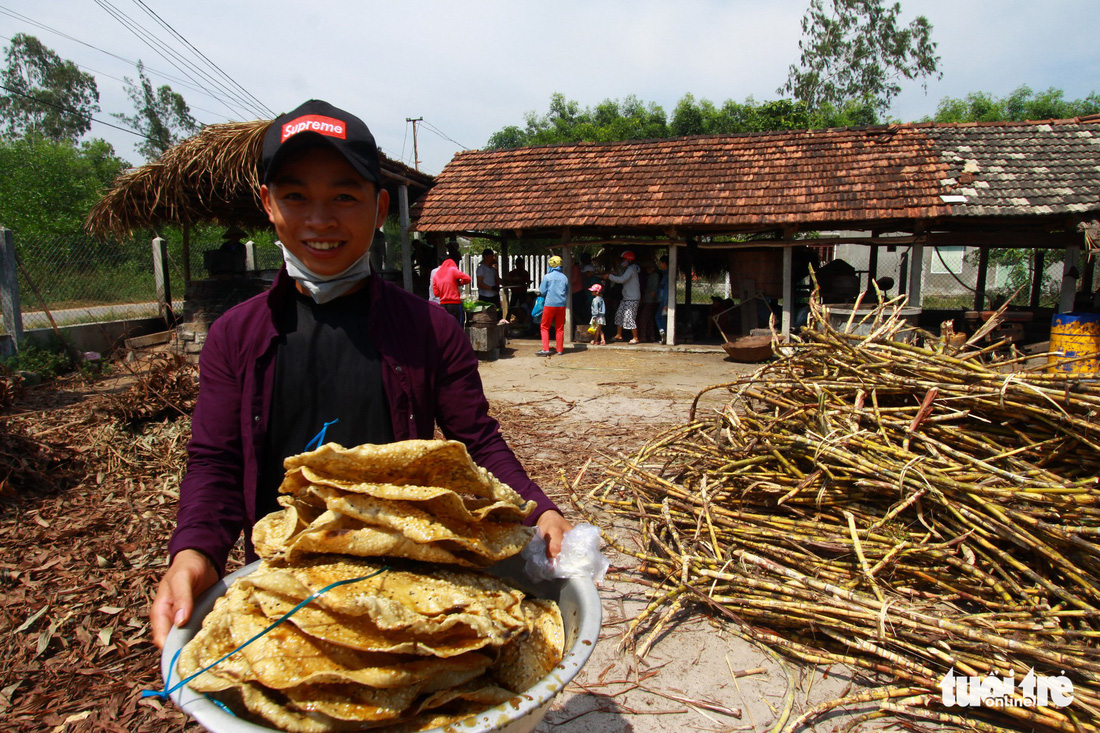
<point>81,550</point>
<point>611,400</point>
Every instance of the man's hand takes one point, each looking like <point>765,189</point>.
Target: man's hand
<point>189,575</point>
<point>551,526</point>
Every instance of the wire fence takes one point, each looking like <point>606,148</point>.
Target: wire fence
<point>949,276</point>
<point>78,280</point>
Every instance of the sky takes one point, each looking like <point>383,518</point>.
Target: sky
<point>470,68</point>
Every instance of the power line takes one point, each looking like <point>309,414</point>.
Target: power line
<point>259,105</point>
<point>172,56</point>
<point>406,139</point>
<point>437,131</point>
<point>175,79</point>
<point>130,81</point>
<point>101,74</point>
<point>63,108</point>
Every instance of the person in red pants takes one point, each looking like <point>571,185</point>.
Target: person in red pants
<point>555,289</point>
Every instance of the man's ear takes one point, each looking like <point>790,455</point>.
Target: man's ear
<point>265,199</point>
<point>383,207</point>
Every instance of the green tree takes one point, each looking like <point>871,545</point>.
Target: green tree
<point>690,118</point>
<point>1022,104</point>
<point>855,50</point>
<point>45,94</point>
<point>633,119</point>
<point>566,122</point>
<point>48,186</point>
<point>163,117</point>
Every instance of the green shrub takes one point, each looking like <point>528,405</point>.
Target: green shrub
<point>47,362</point>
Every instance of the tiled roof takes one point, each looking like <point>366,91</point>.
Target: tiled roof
<point>814,179</point>
<point>1021,170</point>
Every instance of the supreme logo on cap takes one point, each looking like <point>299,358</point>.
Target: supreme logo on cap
<point>315,123</point>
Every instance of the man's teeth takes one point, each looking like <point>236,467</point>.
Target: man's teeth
<point>324,245</point>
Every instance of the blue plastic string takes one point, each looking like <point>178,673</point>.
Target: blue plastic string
<point>164,694</point>
<point>319,439</point>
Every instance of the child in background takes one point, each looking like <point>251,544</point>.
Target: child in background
<point>599,315</point>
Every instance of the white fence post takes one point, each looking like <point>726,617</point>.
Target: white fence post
<point>250,256</point>
<point>406,247</point>
<point>160,276</point>
<point>9,293</point>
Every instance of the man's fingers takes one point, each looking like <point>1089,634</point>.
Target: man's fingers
<point>160,617</point>
<point>553,543</point>
<point>183,596</point>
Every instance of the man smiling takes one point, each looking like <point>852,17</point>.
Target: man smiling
<point>330,344</point>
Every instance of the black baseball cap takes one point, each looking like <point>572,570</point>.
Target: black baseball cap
<point>317,121</point>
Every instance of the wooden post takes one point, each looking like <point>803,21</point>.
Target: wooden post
<point>9,289</point>
<point>983,278</point>
<point>161,279</point>
<point>916,272</point>
<point>1039,262</point>
<point>689,270</point>
<point>567,269</point>
<point>788,293</point>
<point>1069,282</point>
<point>670,331</point>
<point>406,247</point>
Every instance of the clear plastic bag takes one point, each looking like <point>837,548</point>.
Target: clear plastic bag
<point>580,556</point>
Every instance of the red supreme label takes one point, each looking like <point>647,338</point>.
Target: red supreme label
<point>316,123</point>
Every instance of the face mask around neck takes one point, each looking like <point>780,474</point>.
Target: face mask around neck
<point>323,288</point>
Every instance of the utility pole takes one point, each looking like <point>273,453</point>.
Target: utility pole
<point>416,154</point>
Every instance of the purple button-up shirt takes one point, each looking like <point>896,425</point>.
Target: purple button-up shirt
<point>429,373</point>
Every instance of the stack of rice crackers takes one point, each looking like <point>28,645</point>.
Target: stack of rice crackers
<point>414,635</point>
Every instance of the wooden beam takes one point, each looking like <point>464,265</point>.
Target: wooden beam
<point>689,271</point>
<point>916,272</point>
<point>1039,265</point>
<point>983,275</point>
<point>1007,240</point>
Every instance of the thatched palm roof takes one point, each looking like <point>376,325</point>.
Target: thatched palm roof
<point>211,177</point>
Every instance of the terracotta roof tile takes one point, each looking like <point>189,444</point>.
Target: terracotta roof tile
<point>764,179</point>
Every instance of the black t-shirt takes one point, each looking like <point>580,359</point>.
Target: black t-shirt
<point>326,368</point>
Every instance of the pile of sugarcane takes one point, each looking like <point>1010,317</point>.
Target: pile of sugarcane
<point>903,510</point>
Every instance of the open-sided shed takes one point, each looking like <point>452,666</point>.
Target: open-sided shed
<point>1022,184</point>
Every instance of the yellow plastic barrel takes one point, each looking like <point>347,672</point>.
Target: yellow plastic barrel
<point>1075,343</point>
